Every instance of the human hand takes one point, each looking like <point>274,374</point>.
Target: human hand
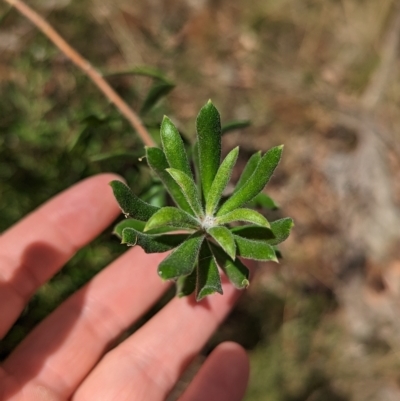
<point>68,355</point>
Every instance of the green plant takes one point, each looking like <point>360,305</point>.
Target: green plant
<point>205,240</point>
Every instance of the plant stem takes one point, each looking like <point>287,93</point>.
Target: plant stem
<point>86,67</point>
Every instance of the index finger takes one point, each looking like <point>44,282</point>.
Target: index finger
<point>34,249</point>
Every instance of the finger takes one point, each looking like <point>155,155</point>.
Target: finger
<point>61,351</point>
<point>33,250</point>
<point>147,365</point>
<point>223,377</point>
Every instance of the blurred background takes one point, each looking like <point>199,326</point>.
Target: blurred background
<point>319,76</point>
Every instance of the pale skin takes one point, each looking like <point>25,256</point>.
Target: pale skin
<point>70,355</point>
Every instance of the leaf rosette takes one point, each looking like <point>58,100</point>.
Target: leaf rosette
<point>205,231</point>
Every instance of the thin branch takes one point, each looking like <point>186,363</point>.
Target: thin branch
<point>86,67</point>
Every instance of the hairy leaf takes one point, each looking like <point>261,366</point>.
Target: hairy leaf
<point>249,169</point>
<point>235,270</point>
<point>208,127</point>
<point>174,148</point>
<point>182,260</point>
<point>254,232</point>
<point>257,250</point>
<point>263,200</point>
<point>208,279</point>
<point>172,217</point>
<point>130,204</point>
<point>189,189</point>
<point>186,285</point>
<point>281,229</point>
<point>158,163</point>
<point>248,215</point>
<point>152,243</point>
<point>221,180</point>
<point>139,226</point>
<point>255,183</point>
<point>225,239</point>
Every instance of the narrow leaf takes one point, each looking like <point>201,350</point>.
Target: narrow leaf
<point>208,127</point>
<point>130,204</point>
<point>281,229</point>
<point>189,189</point>
<point>225,239</point>
<point>156,93</point>
<point>235,125</point>
<point>152,243</point>
<point>235,270</point>
<point>172,217</point>
<point>128,223</point>
<point>186,285</point>
<point>196,163</point>
<point>254,232</point>
<point>249,169</point>
<point>182,260</point>
<point>220,181</point>
<point>255,183</point>
<point>142,70</point>
<point>208,279</point>
<point>248,215</point>
<point>158,163</point>
<point>174,148</point>
<point>263,200</point>
<point>139,226</point>
<point>256,250</point>
<point>119,155</point>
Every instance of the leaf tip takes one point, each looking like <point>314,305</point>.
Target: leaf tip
<point>245,283</point>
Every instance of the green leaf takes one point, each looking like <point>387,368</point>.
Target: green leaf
<point>128,223</point>
<point>221,180</point>
<point>256,250</point>
<point>156,93</point>
<point>139,226</point>
<point>225,239</point>
<point>264,201</point>
<point>174,148</point>
<point>208,127</point>
<point>121,155</point>
<point>235,270</point>
<point>182,260</point>
<point>196,164</point>
<point>146,71</point>
<point>243,214</point>
<point>253,232</point>
<point>278,253</point>
<point>186,285</point>
<point>158,163</point>
<point>208,278</point>
<point>130,204</point>
<point>189,189</point>
<point>234,125</point>
<point>281,229</point>
<point>172,217</point>
<point>249,169</point>
<point>255,184</point>
<point>152,243</point>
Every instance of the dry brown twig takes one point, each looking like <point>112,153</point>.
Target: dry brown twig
<point>86,67</point>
